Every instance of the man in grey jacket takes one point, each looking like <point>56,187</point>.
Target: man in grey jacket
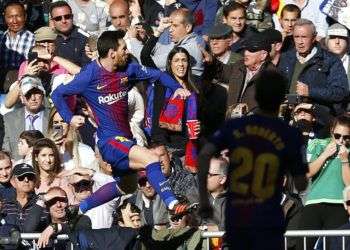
<point>180,24</point>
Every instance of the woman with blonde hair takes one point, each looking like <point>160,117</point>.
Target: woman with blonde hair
<point>73,153</point>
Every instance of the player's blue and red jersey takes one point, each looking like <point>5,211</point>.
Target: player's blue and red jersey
<point>261,151</point>
<point>107,95</point>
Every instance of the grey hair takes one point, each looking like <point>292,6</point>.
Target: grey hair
<point>304,22</point>
<point>223,165</point>
<point>346,190</point>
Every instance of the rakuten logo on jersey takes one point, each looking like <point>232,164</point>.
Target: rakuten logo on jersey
<point>112,98</point>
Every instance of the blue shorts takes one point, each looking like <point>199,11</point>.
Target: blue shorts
<point>115,151</point>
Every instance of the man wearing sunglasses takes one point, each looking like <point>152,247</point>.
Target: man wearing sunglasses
<point>153,210</point>
<point>60,219</point>
<point>84,182</point>
<point>216,183</point>
<point>70,41</point>
<point>23,180</point>
<point>241,75</point>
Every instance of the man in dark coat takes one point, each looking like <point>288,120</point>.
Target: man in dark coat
<point>313,72</point>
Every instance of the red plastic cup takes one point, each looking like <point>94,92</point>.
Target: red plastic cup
<point>191,124</point>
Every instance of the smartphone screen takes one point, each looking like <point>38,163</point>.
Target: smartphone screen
<point>32,56</point>
<point>57,131</point>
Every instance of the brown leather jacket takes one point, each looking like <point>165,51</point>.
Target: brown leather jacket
<point>234,75</point>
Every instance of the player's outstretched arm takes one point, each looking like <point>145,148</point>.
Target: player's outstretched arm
<point>138,72</point>
<point>207,152</point>
<point>74,87</point>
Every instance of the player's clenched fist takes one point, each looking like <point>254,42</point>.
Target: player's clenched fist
<point>77,121</point>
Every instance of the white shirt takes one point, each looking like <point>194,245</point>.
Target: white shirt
<point>225,57</point>
<point>101,216</point>
<point>38,122</point>
<point>345,61</point>
<point>87,158</point>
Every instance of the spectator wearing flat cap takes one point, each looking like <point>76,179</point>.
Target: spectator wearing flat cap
<point>33,114</point>
<point>337,41</point>
<point>215,92</point>
<point>17,209</point>
<point>220,41</point>
<point>314,72</point>
<point>274,37</point>
<point>240,76</point>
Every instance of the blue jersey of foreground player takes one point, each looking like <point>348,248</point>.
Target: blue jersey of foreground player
<point>107,95</point>
<point>262,150</point>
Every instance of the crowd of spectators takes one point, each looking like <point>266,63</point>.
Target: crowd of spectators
<point>213,48</point>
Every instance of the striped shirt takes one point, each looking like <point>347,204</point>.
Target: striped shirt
<point>14,50</point>
<point>16,214</point>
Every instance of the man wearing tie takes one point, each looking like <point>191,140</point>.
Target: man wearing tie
<point>32,116</point>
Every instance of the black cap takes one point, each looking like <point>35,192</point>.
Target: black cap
<point>22,169</point>
<point>220,31</point>
<point>256,42</point>
<point>272,35</point>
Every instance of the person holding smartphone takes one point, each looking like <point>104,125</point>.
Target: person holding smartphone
<point>73,152</point>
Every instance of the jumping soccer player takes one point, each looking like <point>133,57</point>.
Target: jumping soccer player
<point>262,148</point>
<point>104,83</point>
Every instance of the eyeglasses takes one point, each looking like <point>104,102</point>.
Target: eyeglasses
<point>348,203</point>
<point>59,18</point>
<point>213,174</point>
<point>54,200</point>
<point>338,136</point>
<point>82,185</point>
<point>30,177</point>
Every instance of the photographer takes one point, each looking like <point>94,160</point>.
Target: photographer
<point>313,120</point>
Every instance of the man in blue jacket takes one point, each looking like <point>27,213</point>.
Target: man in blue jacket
<point>312,71</point>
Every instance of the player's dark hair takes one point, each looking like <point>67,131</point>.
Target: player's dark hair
<point>343,120</point>
<point>15,3</point>
<point>108,40</point>
<point>270,90</point>
<point>291,8</point>
<point>232,7</point>
<point>31,136</point>
<point>58,4</point>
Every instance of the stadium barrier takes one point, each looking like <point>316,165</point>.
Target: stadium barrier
<point>322,234</point>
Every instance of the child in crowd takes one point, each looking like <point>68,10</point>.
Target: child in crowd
<point>25,145</point>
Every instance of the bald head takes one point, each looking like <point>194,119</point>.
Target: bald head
<point>119,13</point>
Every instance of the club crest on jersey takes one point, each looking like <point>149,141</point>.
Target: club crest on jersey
<point>121,138</point>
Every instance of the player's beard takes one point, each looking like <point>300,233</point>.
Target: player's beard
<point>121,62</point>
